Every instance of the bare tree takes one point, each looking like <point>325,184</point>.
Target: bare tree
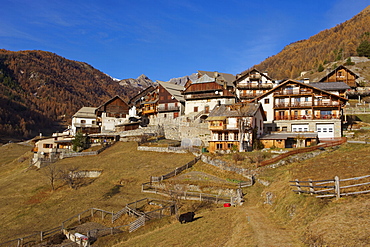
<point>71,177</point>
<point>51,173</point>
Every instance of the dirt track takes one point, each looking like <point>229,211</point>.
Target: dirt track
<point>266,232</point>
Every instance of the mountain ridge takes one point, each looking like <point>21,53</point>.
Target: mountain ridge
<point>329,45</point>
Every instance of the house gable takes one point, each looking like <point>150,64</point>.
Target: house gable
<point>342,74</point>
<point>115,107</point>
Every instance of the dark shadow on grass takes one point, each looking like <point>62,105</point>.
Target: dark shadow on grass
<point>197,218</point>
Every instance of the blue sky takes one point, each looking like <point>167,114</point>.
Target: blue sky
<point>167,38</point>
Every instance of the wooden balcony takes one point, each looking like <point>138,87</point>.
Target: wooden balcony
<point>168,108</point>
<point>254,85</point>
<point>217,127</point>
<point>149,111</point>
<point>305,104</point>
<point>307,117</point>
<point>204,95</point>
<point>293,92</point>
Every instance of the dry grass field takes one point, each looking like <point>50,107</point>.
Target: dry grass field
<point>27,203</point>
<point>285,218</point>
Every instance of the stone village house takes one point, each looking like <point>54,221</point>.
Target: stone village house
<point>235,126</point>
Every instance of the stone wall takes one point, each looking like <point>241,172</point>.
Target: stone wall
<point>159,149</point>
<point>173,129</point>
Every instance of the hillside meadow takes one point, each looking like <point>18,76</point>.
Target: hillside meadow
<point>286,219</point>
<point>27,203</point>
<point>272,215</point>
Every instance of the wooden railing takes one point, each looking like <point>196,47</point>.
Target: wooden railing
<point>185,195</point>
<point>332,187</point>
<point>307,117</point>
<point>302,150</point>
<point>175,172</point>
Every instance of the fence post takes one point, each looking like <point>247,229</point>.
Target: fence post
<point>312,190</point>
<point>337,187</point>
<point>112,217</point>
<point>41,236</point>
<point>200,196</point>
<point>92,213</point>
<point>298,187</point>
<point>79,219</point>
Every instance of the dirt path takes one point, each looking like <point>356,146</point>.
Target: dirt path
<point>266,232</point>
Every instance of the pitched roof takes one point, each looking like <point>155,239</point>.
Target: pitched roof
<point>297,82</point>
<point>141,94</point>
<point>330,86</point>
<point>338,68</point>
<point>234,110</point>
<point>86,112</point>
<point>210,87</point>
<point>248,72</point>
<point>173,89</point>
<point>219,77</point>
<point>110,100</point>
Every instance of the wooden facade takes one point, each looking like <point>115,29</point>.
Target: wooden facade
<point>251,84</point>
<point>171,102</point>
<point>115,107</point>
<point>294,106</point>
<point>295,101</point>
<point>342,74</point>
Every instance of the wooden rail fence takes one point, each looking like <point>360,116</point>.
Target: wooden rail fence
<point>333,187</point>
<point>176,171</point>
<point>302,150</point>
<point>186,195</point>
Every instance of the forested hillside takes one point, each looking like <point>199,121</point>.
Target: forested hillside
<point>38,88</point>
<point>327,46</point>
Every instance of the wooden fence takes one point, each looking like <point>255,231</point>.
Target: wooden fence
<point>32,239</point>
<point>302,150</point>
<point>333,187</point>
<point>78,154</point>
<point>186,195</point>
<point>176,171</point>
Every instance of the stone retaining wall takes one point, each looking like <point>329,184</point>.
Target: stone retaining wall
<point>160,149</point>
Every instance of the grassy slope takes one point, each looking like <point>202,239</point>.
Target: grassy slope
<point>301,219</point>
<point>27,204</point>
<point>292,219</point>
<point>342,222</point>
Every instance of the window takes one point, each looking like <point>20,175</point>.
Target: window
<point>165,116</point>
<point>229,145</point>
<point>48,145</point>
<point>195,108</point>
<point>83,121</point>
<point>206,109</point>
<point>267,101</point>
<point>284,128</point>
<point>226,136</point>
<point>219,146</point>
<point>236,136</point>
<point>220,136</point>
<point>93,122</point>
